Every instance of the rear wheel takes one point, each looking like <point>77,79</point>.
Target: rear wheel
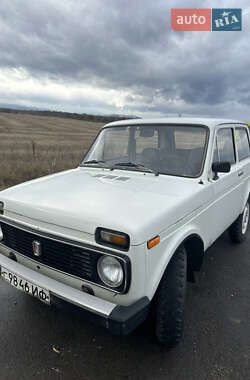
<point>170,301</point>
<point>238,230</point>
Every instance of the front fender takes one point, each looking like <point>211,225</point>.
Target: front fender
<point>158,257</point>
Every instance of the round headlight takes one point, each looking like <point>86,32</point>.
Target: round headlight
<point>110,271</point>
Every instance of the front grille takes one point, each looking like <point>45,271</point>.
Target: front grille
<point>80,262</point>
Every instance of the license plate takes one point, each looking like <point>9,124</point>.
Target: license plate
<point>26,286</point>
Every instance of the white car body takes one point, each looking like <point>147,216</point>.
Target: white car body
<point>71,205</point>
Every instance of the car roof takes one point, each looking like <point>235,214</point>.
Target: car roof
<point>209,122</point>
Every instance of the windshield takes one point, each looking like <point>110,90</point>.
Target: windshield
<point>175,150</point>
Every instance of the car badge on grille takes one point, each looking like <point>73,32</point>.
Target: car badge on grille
<point>37,248</point>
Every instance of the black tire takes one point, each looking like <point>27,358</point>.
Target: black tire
<point>170,301</point>
<point>236,231</point>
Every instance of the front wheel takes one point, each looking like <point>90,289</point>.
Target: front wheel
<point>238,230</point>
<point>170,301</point>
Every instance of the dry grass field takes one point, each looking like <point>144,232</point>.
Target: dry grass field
<point>33,146</point>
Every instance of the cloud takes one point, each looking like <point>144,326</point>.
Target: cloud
<point>119,56</point>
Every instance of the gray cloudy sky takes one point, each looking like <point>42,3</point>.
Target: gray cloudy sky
<point>117,56</point>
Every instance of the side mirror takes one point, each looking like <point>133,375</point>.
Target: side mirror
<point>220,167</point>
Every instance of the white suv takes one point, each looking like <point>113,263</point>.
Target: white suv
<point>120,235</point>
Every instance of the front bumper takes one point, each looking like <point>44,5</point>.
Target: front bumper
<point>120,320</point>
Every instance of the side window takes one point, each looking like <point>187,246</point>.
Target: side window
<point>224,146</point>
<point>242,143</point>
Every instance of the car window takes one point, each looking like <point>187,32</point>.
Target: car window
<point>115,143</point>
<point>146,140</point>
<point>189,139</point>
<point>242,143</point>
<point>169,149</point>
<point>224,146</point>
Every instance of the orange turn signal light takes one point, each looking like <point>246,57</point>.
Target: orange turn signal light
<point>153,242</point>
<point>118,239</point>
<point>114,238</point>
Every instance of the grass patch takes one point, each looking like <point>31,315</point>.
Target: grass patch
<point>34,146</point>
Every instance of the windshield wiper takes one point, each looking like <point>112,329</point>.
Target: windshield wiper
<point>135,165</point>
<point>93,162</point>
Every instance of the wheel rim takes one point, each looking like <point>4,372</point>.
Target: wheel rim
<point>245,219</point>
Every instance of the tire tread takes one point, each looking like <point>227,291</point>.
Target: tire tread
<point>171,299</point>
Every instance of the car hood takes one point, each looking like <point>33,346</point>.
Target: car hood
<point>140,204</point>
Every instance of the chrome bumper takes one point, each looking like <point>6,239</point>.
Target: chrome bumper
<point>56,288</point>
<point>120,320</point>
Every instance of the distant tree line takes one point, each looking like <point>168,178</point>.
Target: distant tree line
<point>69,115</point>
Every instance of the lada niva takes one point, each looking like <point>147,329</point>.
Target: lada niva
<point>120,235</point>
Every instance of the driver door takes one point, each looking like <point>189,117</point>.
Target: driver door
<point>227,187</point>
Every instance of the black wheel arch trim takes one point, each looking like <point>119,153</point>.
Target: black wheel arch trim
<point>194,246</point>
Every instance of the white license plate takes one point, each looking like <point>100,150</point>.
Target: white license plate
<point>26,286</point>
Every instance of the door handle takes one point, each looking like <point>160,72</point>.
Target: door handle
<point>240,173</point>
